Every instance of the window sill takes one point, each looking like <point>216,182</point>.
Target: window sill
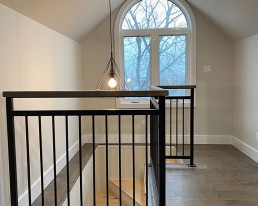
<point>143,104</point>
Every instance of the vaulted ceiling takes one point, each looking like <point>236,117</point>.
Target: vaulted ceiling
<point>76,18</point>
<point>73,18</point>
<point>237,18</point>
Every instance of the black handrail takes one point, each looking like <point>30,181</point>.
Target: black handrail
<point>153,92</point>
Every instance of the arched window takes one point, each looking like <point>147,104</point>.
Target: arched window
<point>155,43</point>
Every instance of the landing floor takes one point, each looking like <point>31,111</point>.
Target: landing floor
<point>223,177</point>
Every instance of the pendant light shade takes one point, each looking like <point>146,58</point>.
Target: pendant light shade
<point>111,78</point>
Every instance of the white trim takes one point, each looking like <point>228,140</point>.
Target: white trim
<point>213,139</point>
<point>136,104</point>
<point>48,176</point>
<point>245,148</point>
<point>127,138</point>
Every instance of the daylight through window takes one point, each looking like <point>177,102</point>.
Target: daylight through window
<point>155,44</point>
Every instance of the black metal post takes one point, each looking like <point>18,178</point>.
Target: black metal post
<point>133,142</point>
<point>41,163</point>
<point>12,152</point>
<point>94,160</point>
<point>162,149</point>
<point>120,161</point>
<point>67,160</point>
<point>192,130</point>
<point>146,157</point>
<point>54,158</point>
<point>28,157</point>
<point>80,158</point>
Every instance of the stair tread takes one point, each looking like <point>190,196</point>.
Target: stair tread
<point>101,199</point>
<point>174,161</point>
<point>127,188</point>
<point>173,152</point>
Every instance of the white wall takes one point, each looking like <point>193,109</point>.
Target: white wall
<point>126,162</point>
<point>33,57</point>
<point>214,90</point>
<point>245,90</point>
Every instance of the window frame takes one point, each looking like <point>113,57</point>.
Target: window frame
<point>189,32</point>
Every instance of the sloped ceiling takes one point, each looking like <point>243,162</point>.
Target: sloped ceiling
<point>237,18</point>
<point>76,18</point>
<point>73,18</point>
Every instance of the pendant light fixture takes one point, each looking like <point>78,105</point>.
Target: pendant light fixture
<point>111,78</point>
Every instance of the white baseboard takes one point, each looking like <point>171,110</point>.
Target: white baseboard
<point>213,139</point>
<point>245,148</point>
<point>127,138</point>
<point>48,176</point>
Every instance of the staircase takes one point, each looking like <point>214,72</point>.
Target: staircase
<point>127,193</point>
<point>127,188</point>
<point>101,199</point>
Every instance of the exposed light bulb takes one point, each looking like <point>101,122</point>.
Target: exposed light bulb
<point>129,80</point>
<point>112,83</point>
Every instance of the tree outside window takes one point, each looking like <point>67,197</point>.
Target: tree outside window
<point>154,40</point>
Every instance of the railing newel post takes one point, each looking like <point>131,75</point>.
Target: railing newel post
<point>11,152</point>
<point>192,130</point>
<point>162,151</point>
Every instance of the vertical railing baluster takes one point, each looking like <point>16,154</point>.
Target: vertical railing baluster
<point>94,160</point>
<point>146,159</point>
<point>80,157</point>
<point>41,162</point>
<point>67,160</point>
<point>28,157</point>
<point>176,127</point>
<point>151,138</point>
<point>120,161</point>
<point>54,158</point>
<point>107,176</point>
<point>156,147</point>
<point>183,127</point>
<point>133,148</point>
<point>170,124</point>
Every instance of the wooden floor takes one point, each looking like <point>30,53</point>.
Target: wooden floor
<point>223,177</point>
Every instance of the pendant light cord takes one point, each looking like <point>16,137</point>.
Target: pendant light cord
<point>110,29</point>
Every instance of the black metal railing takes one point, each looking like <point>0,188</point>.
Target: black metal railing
<point>180,116</point>
<point>155,114</point>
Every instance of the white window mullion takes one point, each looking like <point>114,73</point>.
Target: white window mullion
<point>155,59</point>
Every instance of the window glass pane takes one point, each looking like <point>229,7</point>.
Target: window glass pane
<point>172,60</point>
<point>150,14</point>
<point>137,62</point>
